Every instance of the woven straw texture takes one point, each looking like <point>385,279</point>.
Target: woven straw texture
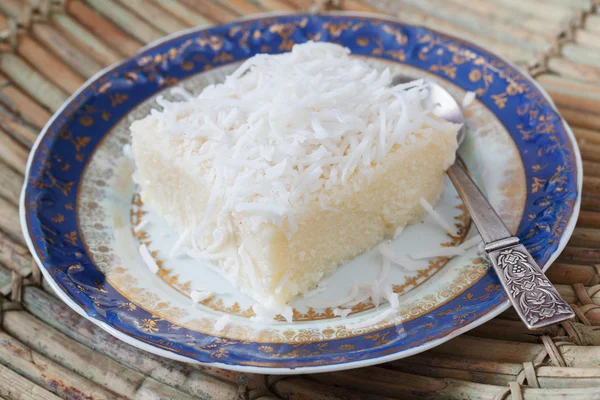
<point>48,48</point>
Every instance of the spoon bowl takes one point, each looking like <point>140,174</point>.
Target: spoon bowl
<point>447,107</point>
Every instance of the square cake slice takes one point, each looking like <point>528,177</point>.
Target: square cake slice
<point>295,164</point>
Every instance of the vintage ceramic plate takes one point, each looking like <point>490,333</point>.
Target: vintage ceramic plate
<point>80,206</point>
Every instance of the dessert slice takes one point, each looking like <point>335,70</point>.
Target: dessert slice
<point>295,164</point>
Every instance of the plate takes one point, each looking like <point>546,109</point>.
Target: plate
<point>81,213</point>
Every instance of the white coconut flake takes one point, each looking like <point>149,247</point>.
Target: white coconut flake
<point>250,268</point>
<point>390,296</point>
<point>263,314</point>
<point>141,225</point>
<point>358,299</point>
<point>176,249</point>
<point>467,244</point>
<point>398,232</point>
<point>268,212</point>
<point>221,323</point>
<point>128,151</point>
<point>283,281</point>
<point>385,270</point>
<point>437,217</point>
<point>372,321</point>
<point>441,252</point>
<point>288,313</point>
<point>342,312</point>
<point>198,295</point>
<point>387,251</point>
<point>481,248</point>
<point>181,91</point>
<point>326,303</point>
<point>147,257</point>
<point>468,99</point>
<point>135,177</point>
<point>375,293</point>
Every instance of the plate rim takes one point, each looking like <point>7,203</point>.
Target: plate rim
<point>570,226</point>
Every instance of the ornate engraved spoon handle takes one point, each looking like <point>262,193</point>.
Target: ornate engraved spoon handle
<point>532,294</point>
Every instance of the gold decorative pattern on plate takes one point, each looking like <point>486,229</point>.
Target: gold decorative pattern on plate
<point>102,215</point>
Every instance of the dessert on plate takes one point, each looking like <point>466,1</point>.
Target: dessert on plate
<point>293,165</point>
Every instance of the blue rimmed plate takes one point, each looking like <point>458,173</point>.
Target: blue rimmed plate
<point>80,208</point>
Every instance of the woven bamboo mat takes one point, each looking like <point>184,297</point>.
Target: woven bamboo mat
<point>49,48</point>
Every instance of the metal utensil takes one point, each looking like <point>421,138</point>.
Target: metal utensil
<point>532,294</point>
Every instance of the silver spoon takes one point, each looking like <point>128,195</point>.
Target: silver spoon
<point>532,294</point>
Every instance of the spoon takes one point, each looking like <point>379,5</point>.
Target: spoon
<point>535,299</point>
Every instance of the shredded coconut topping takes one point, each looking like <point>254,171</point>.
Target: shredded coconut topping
<point>373,320</point>
<point>176,249</point>
<point>141,225</point>
<point>481,248</point>
<point>282,130</point>
<point>283,281</point>
<point>385,270</point>
<point>468,99</point>
<point>221,323</point>
<point>375,293</point>
<point>386,250</point>
<point>263,314</point>
<point>342,312</point>
<point>440,252</point>
<point>398,232</point>
<point>474,241</point>
<point>437,217</point>
<point>128,151</point>
<point>325,303</point>
<point>389,295</point>
<point>198,296</point>
<point>147,257</point>
<point>288,313</point>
